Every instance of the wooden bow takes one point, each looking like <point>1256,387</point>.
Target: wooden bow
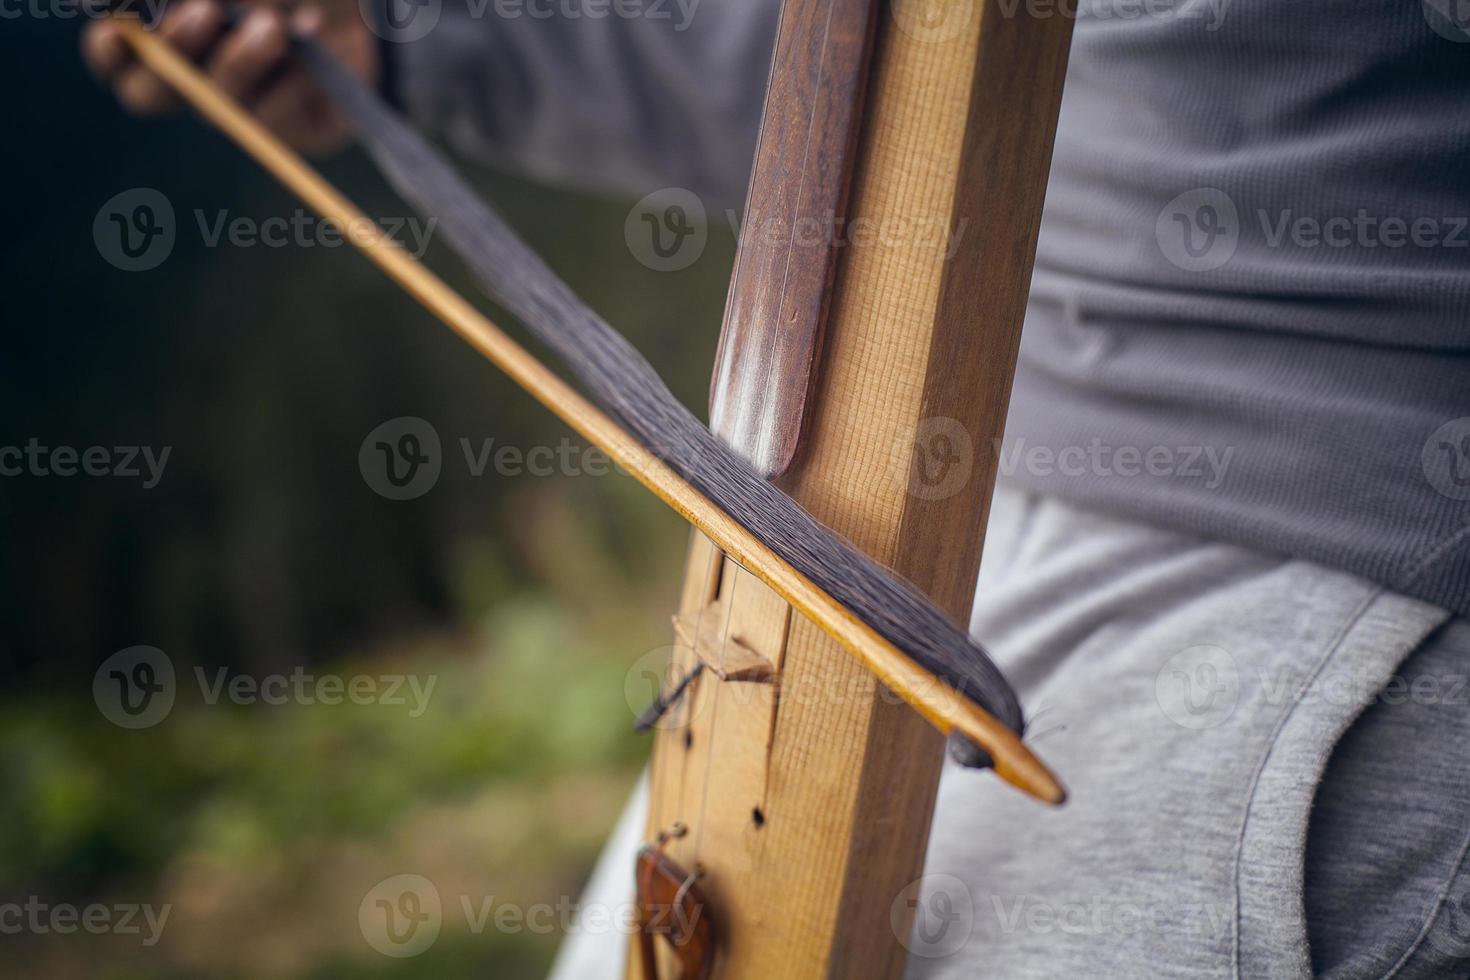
<point>946,709</point>
<point>807,815</point>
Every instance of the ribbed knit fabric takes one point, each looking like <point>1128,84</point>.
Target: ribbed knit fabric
<point>1308,343</point>
<point>1265,763</point>
<point>1250,316</point>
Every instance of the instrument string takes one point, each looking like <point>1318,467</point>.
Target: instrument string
<point>709,759</point>
<point>685,706</point>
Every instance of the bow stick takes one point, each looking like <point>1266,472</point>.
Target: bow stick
<point>946,709</point>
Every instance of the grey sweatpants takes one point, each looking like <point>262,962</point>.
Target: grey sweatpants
<point>1269,766</point>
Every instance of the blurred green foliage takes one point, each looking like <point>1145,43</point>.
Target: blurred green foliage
<point>263,550</point>
<point>504,784</point>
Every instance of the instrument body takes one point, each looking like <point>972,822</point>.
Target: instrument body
<point>808,791</point>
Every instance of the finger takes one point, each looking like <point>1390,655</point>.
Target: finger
<point>308,21</point>
<point>103,49</point>
<point>143,93</point>
<point>192,28</point>
<point>246,59</point>
<point>294,107</point>
<point>282,106</point>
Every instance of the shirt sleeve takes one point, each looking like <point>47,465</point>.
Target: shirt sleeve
<point>617,96</point>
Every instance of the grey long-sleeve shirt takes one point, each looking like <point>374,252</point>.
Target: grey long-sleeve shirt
<point>1250,316</point>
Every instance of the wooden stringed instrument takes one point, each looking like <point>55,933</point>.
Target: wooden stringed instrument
<point>869,343</point>
<point>865,365</point>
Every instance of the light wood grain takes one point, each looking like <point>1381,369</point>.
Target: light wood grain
<point>922,329</point>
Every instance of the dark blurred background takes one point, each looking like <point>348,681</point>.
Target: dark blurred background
<point>263,551</point>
